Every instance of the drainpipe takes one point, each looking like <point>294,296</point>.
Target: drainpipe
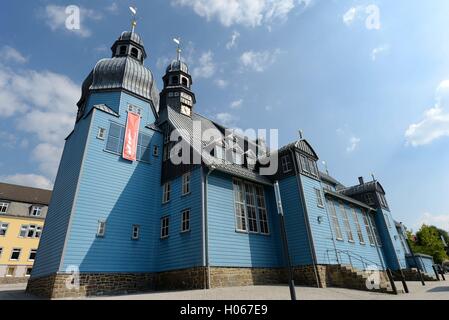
<point>206,262</point>
<point>306,217</point>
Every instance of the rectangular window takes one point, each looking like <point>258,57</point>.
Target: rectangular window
<point>286,164</point>
<point>186,183</point>
<point>136,232</point>
<point>3,229</point>
<point>1,251</point>
<point>32,256</point>
<point>10,271</point>
<point>319,198</point>
<point>335,222</point>
<point>185,225</point>
<point>30,231</point>
<point>15,254</point>
<point>28,271</point>
<point>346,222</point>
<point>262,209</point>
<point>239,199</point>
<point>387,220</point>
<point>367,227</point>
<point>101,230</point>
<point>305,164</point>
<point>101,133</point>
<point>166,192</point>
<point>116,139</point>
<point>165,222</point>
<point>376,232</point>
<point>313,168</point>
<point>4,206</point>
<point>155,151</point>
<point>251,208</point>
<point>357,225</point>
<point>36,211</point>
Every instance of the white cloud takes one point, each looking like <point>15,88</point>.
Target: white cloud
<point>382,50</point>
<point>226,119</point>
<point>440,221</point>
<point>55,17</point>
<point>221,83</point>
<point>42,104</point>
<point>29,180</point>
<point>353,144</point>
<point>112,8</point>
<point>435,124</point>
<point>11,54</point>
<point>233,42</point>
<point>206,66</point>
<point>259,61</point>
<point>250,13</point>
<point>236,104</point>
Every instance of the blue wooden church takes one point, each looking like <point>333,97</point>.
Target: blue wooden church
<point>121,225</point>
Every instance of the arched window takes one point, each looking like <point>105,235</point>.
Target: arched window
<point>185,82</point>
<point>135,53</point>
<point>123,50</point>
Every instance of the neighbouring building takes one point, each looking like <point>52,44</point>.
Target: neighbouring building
<point>22,216</point>
<point>125,216</point>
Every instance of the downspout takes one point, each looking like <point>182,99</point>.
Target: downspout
<point>206,262</point>
<point>306,218</point>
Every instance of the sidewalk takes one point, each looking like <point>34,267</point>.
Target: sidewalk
<point>432,291</point>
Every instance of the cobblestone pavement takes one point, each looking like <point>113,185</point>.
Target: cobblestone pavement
<point>432,291</point>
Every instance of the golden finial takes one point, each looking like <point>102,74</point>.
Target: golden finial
<point>134,19</point>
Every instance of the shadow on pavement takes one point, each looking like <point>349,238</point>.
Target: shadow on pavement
<point>439,289</point>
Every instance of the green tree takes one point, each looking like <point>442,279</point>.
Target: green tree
<point>428,241</point>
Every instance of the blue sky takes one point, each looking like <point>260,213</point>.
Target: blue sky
<point>367,82</point>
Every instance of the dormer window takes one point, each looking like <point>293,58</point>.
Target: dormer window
<point>122,50</point>
<point>36,211</point>
<point>308,166</point>
<point>4,206</point>
<point>134,53</point>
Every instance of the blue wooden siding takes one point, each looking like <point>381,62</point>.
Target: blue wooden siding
<point>228,248</point>
<point>393,249</point>
<point>362,253</point>
<point>181,250</point>
<point>122,193</point>
<point>298,242</point>
<point>425,263</point>
<point>51,244</point>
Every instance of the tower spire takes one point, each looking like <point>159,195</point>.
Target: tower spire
<point>134,18</point>
<point>178,49</point>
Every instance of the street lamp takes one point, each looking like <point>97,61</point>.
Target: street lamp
<point>291,282</point>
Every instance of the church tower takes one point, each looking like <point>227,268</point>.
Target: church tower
<point>177,91</point>
<point>101,221</point>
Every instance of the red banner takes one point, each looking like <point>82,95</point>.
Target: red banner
<point>131,137</point>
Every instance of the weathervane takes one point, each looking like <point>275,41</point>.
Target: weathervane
<point>178,50</point>
<point>134,18</point>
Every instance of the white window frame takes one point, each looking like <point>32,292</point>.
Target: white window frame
<point>335,221</point>
<point>346,222</point>
<point>286,164</point>
<point>4,226</point>
<point>358,227</point>
<point>4,206</point>
<point>375,231</point>
<point>319,198</point>
<point>264,226</point>
<point>185,221</point>
<point>101,134</point>
<point>166,192</point>
<point>368,228</point>
<point>251,209</point>
<point>101,229</point>
<point>186,179</point>
<point>36,211</point>
<point>13,251</point>
<point>239,206</point>
<point>29,256</point>
<point>135,235</point>
<point>165,227</point>
<point>387,219</point>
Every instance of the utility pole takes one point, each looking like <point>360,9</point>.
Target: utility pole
<point>291,282</point>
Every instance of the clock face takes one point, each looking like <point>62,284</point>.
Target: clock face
<point>186,110</point>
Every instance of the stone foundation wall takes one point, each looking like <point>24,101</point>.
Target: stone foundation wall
<point>194,278</point>
<point>238,277</point>
<point>57,286</point>
<point>306,276</point>
<point>413,275</point>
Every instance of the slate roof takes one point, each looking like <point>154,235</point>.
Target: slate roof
<point>23,194</point>
<point>348,199</point>
<point>106,109</point>
<point>326,177</point>
<point>371,186</point>
<point>302,145</point>
<point>194,136</point>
